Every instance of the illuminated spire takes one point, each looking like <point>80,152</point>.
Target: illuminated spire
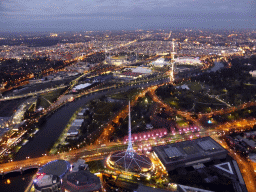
<point>130,148</point>
<point>172,61</point>
<point>129,159</point>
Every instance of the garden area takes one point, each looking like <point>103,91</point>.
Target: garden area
<point>45,99</point>
<point>189,96</point>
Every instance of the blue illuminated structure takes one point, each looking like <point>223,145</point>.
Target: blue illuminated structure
<point>129,160</point>
<point>56,167</point>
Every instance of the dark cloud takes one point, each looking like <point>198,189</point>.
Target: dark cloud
<point>123,14</point>
<point>2,7</point>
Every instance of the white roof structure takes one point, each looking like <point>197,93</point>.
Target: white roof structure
<point>81,86</point>
<point>225,167</point>
<point>188,61</point>
<point>45,180</point>
<point>184,86</point>
<point>73,131</point>
<point>77,122</point>
<point>160,62</point>
<point>253,73</point>
<point>141,70</point>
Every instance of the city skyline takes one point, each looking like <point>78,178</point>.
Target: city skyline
<point>69,68</point>
<point>52,15</point>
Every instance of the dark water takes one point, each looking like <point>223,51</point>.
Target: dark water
<point>48,134</point>
<point>50,131</point>
<point>15,182</point>
<point>217,66</point>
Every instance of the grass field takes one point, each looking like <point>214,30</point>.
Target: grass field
<point>46,99</point>
<point>126,95</point>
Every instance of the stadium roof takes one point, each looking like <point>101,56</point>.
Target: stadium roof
<point>57,167</point>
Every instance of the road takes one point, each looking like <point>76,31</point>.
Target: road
<point>247,167</point>
<point>32,93</point>
<point>88,153</point>
<point>92,152</point>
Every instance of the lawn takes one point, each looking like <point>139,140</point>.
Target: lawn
<point>47,98</point>
<point>95,166</point>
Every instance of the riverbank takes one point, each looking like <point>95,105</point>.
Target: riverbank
<point>61,139</point>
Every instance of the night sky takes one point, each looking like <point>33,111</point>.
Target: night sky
<point>84,15</point>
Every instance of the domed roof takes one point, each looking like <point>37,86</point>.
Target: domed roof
<point>131,162</point>
<point>57,167</point>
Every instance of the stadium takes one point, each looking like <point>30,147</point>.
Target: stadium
<point>57,167</point>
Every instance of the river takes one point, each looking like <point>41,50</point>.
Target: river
<point>15,182</point>
<point>51,130</point>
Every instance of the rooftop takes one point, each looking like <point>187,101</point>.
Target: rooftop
<point>57,167</point>
<point>189,152</point>
<point>214,175</point>
<point>135,163</point>
<point>45,180</point>
<point>82,86</point>
<point>81,181</point>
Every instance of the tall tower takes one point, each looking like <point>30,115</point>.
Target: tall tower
<point>129,150</point>
<point>129,160</point>
<point>172,73</point>
<point>106,58</point>
<point>173,50</point>
<point>172,61</point>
